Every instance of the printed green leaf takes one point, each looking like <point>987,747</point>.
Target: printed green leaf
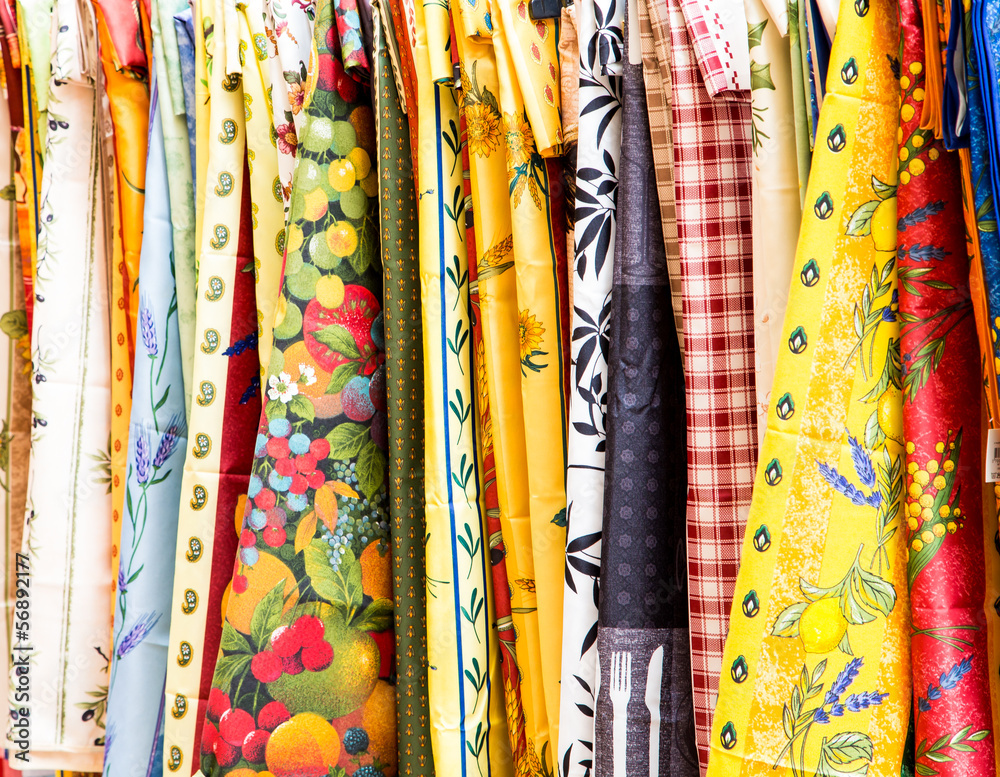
<point>346,440</point>
<point>339,340</point>
<point>233,641</point>
<point>370,469</point>
<point>787,622</point>
<point>322,578</point>
<point>267,614</point>
<point>377,616</point>
<point>230,668</point>
<point>275,408</point>
<point>755,33</point>
<point>861,220</point>
<point>760,75</point>
<point>340,377</point>
<point>849,746</point>
<point>302,407</point>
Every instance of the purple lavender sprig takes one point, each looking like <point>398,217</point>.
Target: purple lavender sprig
<point>862,463</point>
<point>142,457</point>
<point>169,440</point>
<point>918,215</point>
<point>122,584</point>
<point>843,486</point>
<point>147,327</point>
<point>138,633</point>
<point>847,676</point>
<point>946,682</point>
<point>853,703</point>
<point>862,701</point>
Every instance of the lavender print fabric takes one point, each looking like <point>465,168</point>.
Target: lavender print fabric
<point>156,460</point>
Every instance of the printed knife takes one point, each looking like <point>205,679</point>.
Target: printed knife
<point>654,677</point>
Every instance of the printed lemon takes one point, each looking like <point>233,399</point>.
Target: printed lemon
<point>303,746</point>
<point>330,291</point>
<point>342,174</point>
<point>883,225</point>
<point>316,204</point>
<point>294,238</point>
<point>822,625</point>
<point>890,410</point>
<point>361,161</point>
<point>342,238</point>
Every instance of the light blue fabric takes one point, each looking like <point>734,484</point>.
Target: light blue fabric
<point>184,24</point>
<point>157,445</point>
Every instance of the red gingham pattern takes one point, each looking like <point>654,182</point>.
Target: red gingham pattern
<point>712,188</point>
<point>703,41</point>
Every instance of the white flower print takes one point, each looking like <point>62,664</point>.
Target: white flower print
<point>281,387</point>
<point>307,374</point>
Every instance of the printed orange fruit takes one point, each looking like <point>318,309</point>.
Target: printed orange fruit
<point>822,625</point>
<point>304,746</point>
<point>361,161</point>
<point>297,354</point>
<point>378,718</point>
<point>261,578</point>
<point>376,575</point>
<point>342,238</point>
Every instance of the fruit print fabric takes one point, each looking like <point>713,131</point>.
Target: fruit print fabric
<point>300,685</point>
<point>67,531</point>
<point>404,373</point>
<point>816,667</point>
<point>468,726</point>
<point>158,439</point>
<point>942,414</point>
<point>225,412</point>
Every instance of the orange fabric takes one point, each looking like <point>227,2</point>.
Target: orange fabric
<point>128,97</point>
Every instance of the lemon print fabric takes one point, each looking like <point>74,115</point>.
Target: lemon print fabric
<point>816,676</point>
<point>303,682</point>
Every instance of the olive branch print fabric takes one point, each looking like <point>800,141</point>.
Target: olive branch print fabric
<point>462,641</point>
<point>67,531</point>
<point>599,28</point>
<point>816,669</point>
<point>302,682</point>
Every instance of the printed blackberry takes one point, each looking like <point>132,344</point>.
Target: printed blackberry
<point>356,741</point>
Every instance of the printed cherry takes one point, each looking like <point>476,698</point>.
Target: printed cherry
<point>272,715</point>
<point>310,630</point>
<point>266,666</point>
<point>218,703</point>
<point>209,734</point>
<point>254,746</point>
<point>234,725</point>
<point>274,536</point>
<point>225,753</point>
<point>285,641</point>
<point>292,664</point>
<point>318,657</point>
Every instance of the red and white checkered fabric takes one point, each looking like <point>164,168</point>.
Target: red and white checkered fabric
<point>712,189</point>
<point>718,31</point>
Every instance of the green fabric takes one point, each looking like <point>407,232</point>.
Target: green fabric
<point>404,371</point>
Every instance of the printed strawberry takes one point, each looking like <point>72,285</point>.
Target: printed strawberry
<point>355,314</point>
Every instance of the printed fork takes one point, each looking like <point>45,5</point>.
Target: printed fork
<point>620,692</point>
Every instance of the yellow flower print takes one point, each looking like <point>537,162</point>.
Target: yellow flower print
<point>530,333</point>
<point>483,129</point>
<point>520,140</point>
